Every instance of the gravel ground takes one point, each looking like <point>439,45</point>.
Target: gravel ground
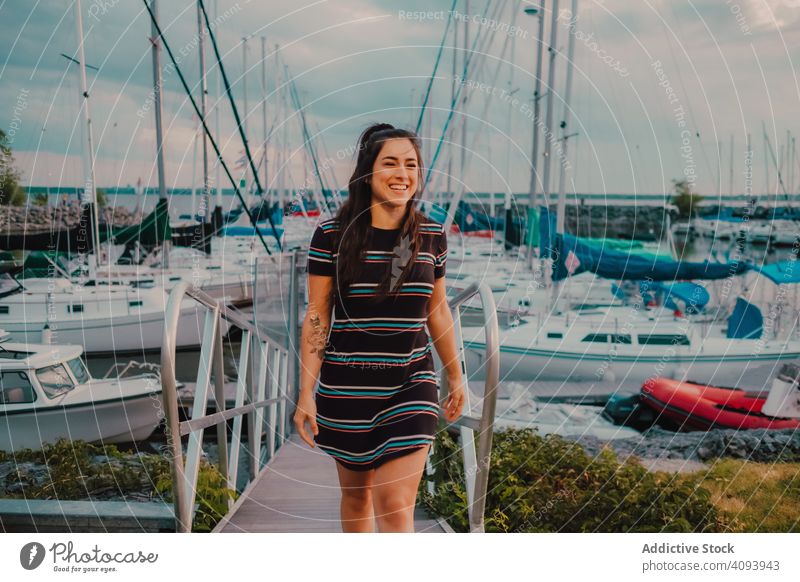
<point>760,445</point>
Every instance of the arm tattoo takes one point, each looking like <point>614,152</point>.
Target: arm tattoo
<point>318,338</point>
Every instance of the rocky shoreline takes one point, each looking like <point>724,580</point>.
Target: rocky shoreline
<point>759,445</point>
<point>22,219</point>
<point>646,223</point>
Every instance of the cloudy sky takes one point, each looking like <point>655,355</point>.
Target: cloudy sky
<point>660,88</point>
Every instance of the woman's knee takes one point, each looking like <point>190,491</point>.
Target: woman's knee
<point>361,495</point>
<point>392,502</point>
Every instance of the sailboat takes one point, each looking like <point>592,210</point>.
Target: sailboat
<point>626,347</point>
<point>105,319</point>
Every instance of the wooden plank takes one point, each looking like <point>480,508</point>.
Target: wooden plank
<point>298,491</point>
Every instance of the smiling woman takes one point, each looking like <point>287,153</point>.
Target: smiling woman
<point>379,266</point>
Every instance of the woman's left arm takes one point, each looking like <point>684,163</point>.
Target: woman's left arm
<point>441,328</point>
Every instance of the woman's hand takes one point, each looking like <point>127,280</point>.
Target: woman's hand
<point>306,412</point>
<point>454,403</point>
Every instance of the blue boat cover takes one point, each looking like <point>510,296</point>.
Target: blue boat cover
<point>684,296</point>
<point>746,321</point>
<point>433,211</point>
<point>782,272</point>
<point>470,221</point>
<point>572,255</point>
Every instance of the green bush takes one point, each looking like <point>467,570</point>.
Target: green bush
<point>549,484</point>
<point>11,193</point>
<point>80,470</point>
<point>102,198</point>
<point>685,199</point>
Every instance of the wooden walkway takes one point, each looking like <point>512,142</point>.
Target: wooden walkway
<point>298,491</point>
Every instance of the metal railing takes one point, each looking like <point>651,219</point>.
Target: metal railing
<point>263,364</point>
<point>476,462</point>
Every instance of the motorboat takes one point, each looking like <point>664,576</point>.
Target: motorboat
<point>47,393</point>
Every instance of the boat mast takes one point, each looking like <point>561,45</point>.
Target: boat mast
<point>218,180</point>
<point>766,163</point>
<point>748,175</point>
<point>205,203</point>
<point>245,117</point>
<point>463,162</point>
<point>562,158</point>
<point>537,93</point>
<point>788,173</point>
<point>719,172</point>
<point>548,123</point>
<point>562,178</point>
<point>448,195</point>
<point>157,107</point>
<point>194,170</point>
<point>89,186</point>
<point>730,178</point>
<point>509,131</point>
<point>285,160</point>
<point>264,194</point>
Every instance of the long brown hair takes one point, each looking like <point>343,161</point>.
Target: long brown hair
<point>355,217</point>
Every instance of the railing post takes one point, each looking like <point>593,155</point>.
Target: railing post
<point>255,347</point>
<point>476,466</point>
<point>288,389</point>
<point>241,390</point>
<point>219,397</point>
<point>169,394</point>
<point>194,447</point>
<point>293,343</point>
<point>258,380</point>
<point>486,431</point>
<point>279,391</point>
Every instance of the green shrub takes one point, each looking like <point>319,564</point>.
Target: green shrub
<point>549,484</point>
<point>685,199</point>
<point>102,198</point>
<point>80,470</point>
<point>11,193</point>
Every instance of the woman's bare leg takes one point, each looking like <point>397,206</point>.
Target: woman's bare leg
<point>394,491</point>
<point>356,506</point>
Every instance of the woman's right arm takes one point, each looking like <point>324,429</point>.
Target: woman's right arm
<point>313,339</point>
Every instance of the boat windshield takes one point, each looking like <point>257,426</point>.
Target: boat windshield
<point>15,388</point>
<point>55,380</point>
<point>79,370</point>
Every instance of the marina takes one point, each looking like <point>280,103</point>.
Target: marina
<point>654,330</point>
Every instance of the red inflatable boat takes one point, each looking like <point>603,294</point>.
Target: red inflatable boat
<point>698,407</point>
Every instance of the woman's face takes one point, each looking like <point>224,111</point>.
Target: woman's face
<point>395,173</point>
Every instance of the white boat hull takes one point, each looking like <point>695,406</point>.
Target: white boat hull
<point>111,419</point>
<point>120,335</point>
<point>720,367</point>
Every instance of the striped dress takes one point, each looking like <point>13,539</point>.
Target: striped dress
<point>377,397</point>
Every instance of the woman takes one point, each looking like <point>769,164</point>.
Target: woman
<point>380,266</point>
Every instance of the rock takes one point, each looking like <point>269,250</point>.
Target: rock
<point>19,219</point>
<point>756,445</point>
